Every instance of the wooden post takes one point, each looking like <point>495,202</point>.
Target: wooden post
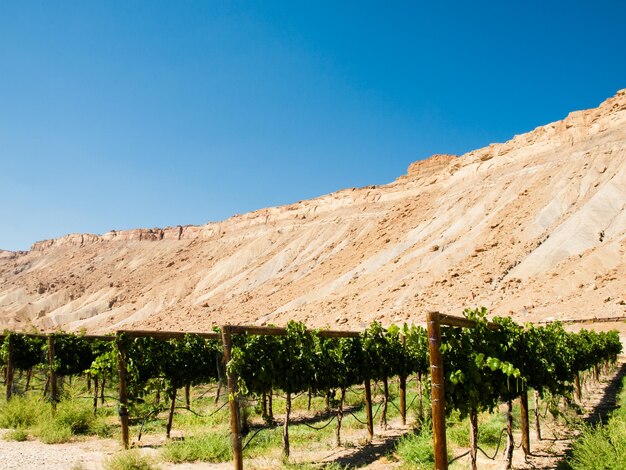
<point>52,373</point>
<point>121,373</point>
<point>510,445</point>
<point>264,406</point>
<point>340,417</point>
<point>95,395</point>
<point>9,368</point>
<point>383,414</point>
<point>286,450</point>
<point>188,396</point>
<point>170,418</point>
<point>218,367</point>
<point>270,407</point>
<point>403,387</point>
<point>368,409</point>
<point>537,423</point>
<point>524,422</point>
<point>29,376</point>
<point>234,402</point>
<point>438,397</point>
<point>403,398</point>
<point>473,422</point>
<point>103,385</point>
<point>420,400</point>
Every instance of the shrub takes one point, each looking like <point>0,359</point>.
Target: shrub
<point>214,447</point>
<point>78,417</point>
<point>129,460</point>
<point>22,412</point>
<point>18,435</point>
<point>601,447</point>
<point>417,450</point>
<point>50,432</point>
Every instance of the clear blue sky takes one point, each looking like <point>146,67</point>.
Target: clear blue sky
<point>121,114</point>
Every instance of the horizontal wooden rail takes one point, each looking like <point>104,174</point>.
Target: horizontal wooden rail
<point>168,334</point>
<point>45,335</point>
<point>277,331</point>
<point>583,320</point>
<point>234,329</point>
<point>451,320</point>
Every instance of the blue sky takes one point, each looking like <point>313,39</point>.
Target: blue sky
<point>124,114</point>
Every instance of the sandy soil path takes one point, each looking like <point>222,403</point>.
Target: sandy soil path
<point>31,454</point>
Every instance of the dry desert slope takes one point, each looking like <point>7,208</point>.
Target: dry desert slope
<point>534,227</point>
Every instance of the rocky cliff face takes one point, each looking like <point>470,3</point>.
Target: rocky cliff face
<point>534,228</point>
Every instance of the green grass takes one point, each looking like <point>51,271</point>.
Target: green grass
<point>50,432</point>
<point>23,412</point>
<point>490,427</point>
<point>18,435</point>
<point>416,450</point>
<point>129,460</point>
<point>308,466</point>
<point>33,415</point>
<point>601,447</point>
<point>76,416</point>
<point>210,447</point>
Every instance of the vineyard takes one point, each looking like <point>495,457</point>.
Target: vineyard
<point>466,365</point>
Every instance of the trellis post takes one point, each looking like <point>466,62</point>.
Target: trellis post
<point>403,385</point>
<point>121,373</point>
<point>368,408</point>
<point>52,373</point>
<point>438,397</point>
<point>9,369</point>
<point>523,405</point>
<point>235,422</point>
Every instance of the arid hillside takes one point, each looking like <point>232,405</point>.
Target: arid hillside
<point>534,228</point>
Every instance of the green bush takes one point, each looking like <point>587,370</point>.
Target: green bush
<point>76,416</point>
<point>601,447</point>
<point>100,428</point>
<point>50,432</point>
<point>22,412</point>
<point>18,435</point>
<point>129,460</point>
<point>71,418</point>
<point>214,447</point>
<point>417,450</point>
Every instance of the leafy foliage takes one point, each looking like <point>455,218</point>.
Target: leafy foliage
<point>73,354</point>
<point>28,351</point>
<point>189,360</point>
<point>476,376</point>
